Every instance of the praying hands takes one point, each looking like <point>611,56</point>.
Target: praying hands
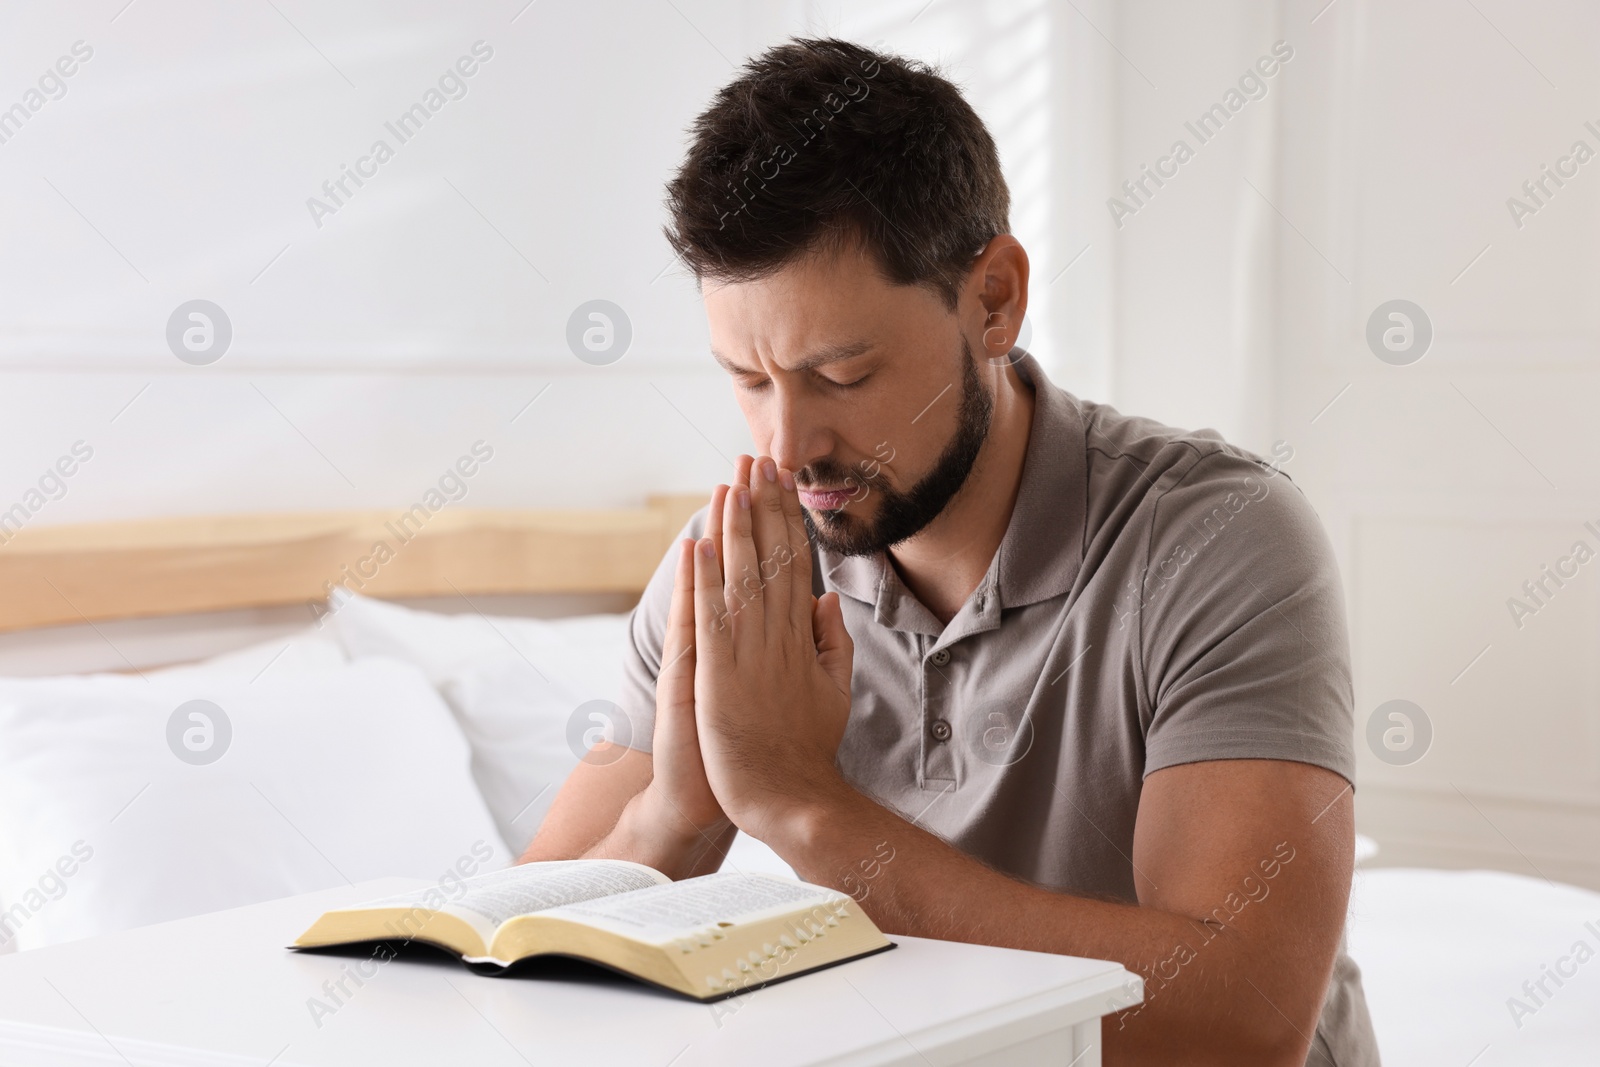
<point>754,690</point>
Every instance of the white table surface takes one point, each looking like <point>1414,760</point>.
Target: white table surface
<point>222,989</point>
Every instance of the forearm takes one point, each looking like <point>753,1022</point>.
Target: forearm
<point>1197,1003</point>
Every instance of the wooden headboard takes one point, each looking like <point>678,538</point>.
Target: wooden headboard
<point>90,573</point>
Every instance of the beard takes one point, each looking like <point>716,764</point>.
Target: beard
<point>902,514</point>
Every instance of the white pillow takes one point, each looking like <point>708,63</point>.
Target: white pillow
<point>529,694</point>
<point>296,653</point>
<point>521,690</point>
<point>330,774</point>
<point>301,652</point>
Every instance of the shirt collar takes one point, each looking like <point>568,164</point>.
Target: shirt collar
<point>1042,549</point>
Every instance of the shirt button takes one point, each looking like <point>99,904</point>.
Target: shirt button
<point>941,730</point>
<point>940,658</point>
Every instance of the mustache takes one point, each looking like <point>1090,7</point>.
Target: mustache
<point>830,474</point>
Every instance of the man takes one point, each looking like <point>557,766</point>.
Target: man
<point>1027,671</point>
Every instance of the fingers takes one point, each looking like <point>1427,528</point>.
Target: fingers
<point>741,565</point>
<point>772,539</point>
<point>714,517</point>
<point>675,680</point>
<point>741,476</point>
<point>835,650</point>
<point>758,528</point>
<point>799,554</point>
<point>712,632</point>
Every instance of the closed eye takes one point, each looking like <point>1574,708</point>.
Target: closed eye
<point>756,385</point>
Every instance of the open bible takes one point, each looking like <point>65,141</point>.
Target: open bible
<point>708,937</point>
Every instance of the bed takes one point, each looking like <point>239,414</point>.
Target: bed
<point>375,738</point>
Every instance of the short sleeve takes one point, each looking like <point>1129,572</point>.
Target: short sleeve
<point>1244,647</point>
<point>647,630</point>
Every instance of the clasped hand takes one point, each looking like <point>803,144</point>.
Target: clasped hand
<point>754,690</point>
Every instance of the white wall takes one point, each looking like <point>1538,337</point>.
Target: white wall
<point>1382,159</point>
<point>1194,276</point>
<point>372,350</point>
<point>1451,481</point>
<point>419,318</point>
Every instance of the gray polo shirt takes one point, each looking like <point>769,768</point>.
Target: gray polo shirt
<point>1159,597</point>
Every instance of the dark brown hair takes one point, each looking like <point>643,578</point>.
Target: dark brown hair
<point>822,142</point>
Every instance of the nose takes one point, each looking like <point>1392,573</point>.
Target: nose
<point>798,437</point>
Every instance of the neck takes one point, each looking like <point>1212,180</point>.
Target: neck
<point>944,562</point>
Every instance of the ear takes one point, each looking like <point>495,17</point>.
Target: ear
<point>999,287</point>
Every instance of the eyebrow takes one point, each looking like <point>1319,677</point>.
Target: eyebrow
<point>821,357</point>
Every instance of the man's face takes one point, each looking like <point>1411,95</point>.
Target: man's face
<point>867,390</point>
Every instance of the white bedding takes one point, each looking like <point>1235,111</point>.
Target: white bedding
<point>525,692</point>
<point>1443,953</point>
<point>323,772</point>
